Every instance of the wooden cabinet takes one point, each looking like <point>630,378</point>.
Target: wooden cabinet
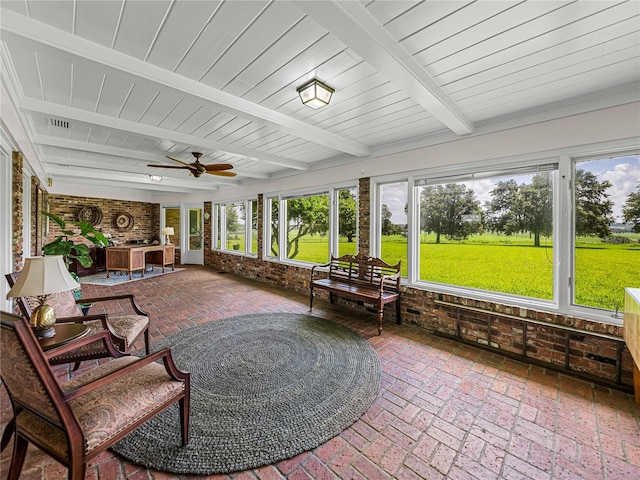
<point>98,255</point>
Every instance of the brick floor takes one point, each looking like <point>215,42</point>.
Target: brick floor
<point>445,410</point>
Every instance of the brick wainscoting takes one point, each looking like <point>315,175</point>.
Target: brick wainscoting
<point>589,349</point>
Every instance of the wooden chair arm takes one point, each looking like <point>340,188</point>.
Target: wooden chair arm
<point>74,344</point>
<point>103,317</point>
<point>164,355</point>
<point>124,296</point>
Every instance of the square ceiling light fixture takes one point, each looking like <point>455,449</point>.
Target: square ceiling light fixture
<point>315,94</point>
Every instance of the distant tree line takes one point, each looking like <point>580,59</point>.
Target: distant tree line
<point>453,211</point>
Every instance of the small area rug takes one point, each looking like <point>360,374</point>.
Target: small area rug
<point>264,388</point>
<point>118,278</point>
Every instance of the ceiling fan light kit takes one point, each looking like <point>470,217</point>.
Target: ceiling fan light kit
<point>315,94</point>
<point>197,169</point>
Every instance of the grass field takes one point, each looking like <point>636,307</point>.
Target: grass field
<point>509,265</point>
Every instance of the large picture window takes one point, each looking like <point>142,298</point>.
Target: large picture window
<point>307,228</point>
<point>489,232</point>
<point>561,232</point>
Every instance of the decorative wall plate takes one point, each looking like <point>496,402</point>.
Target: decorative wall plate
<point>123,221</point>
<point>93,215</point>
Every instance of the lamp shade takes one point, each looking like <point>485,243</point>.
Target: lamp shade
<point>168,231</point>
<point>43,276</point>
<point>315,94</point>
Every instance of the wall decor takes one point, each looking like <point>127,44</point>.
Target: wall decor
<point>93,215</point>
<point>123,221</point>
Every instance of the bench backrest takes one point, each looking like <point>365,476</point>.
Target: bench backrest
<point>362,269</point>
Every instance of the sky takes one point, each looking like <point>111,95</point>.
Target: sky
<point>622,172</point>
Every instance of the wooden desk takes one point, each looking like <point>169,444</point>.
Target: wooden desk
<point>632,332</point>
<point>131,259</point>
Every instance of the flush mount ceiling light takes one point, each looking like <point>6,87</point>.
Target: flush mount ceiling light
<point>315,94</point>
<point>155,178</point>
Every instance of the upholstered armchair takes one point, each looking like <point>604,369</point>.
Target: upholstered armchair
<point>124,330</point>
<point>77,420</point>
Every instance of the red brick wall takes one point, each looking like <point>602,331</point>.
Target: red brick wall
<point>146,217</point>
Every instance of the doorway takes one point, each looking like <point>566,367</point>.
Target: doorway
<point>194,252</point>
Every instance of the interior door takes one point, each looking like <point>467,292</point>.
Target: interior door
<point>194,248</point>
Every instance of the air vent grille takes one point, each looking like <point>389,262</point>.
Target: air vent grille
<point>56,122</point>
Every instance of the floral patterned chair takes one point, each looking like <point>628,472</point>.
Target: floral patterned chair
<point>77,420</point>
<point>125,330</point>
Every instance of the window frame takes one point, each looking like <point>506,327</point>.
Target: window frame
<point>219,226</point>
<point>332,191</point>
<point>563,225</point>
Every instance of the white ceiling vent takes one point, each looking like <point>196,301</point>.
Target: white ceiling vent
<point>56,122</point>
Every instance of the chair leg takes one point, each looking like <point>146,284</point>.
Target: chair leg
<point>77,471</point>
<point>19,453</point>
<point>9,429</point>
<point>184,419</point>
<point>147,347</point>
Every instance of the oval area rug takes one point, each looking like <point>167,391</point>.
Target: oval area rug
<point>264,388</point>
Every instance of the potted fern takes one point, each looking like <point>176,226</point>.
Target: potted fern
<point>70,250</point>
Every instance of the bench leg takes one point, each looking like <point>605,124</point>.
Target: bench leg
<point>398,316</point>
<point>380,315</point>
<point>311,294</point>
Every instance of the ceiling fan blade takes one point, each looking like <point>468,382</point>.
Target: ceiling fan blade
<point>170,166</point>
<point>215,167</point>
<point>179,161</point>
<point>223,173</point>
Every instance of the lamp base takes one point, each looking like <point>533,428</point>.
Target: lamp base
<point>42,321</point>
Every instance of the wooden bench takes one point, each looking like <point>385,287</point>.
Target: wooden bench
<point>359,277</point>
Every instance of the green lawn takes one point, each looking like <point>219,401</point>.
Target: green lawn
<point>510,265</point>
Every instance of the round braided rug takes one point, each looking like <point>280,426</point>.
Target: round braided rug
<point>264,388</point>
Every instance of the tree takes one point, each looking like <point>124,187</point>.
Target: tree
<point>445,209</point>
<point>500,214</point>
<point>233,224</point>
<point>387,225</point>
<point>517,208</point>
<point>631,209</point>
<point>305,216</point>
<point>347,214</point>
<point>535,205</point>
<point>594,210</point>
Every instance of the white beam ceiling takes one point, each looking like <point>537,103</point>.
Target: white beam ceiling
<point>362,33</point>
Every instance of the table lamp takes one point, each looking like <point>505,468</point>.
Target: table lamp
<point>166,231</point>
<point>40,278</point>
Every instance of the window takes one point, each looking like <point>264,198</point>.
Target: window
<point>347,201</point>
<point>311,225</point>
<point>561,233</point>
<point>232,232</point>
<point>307,228</point>
<point>393,223</point>
<point>488,232</point>
<point>235,227</point>
<point>606,251</point>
